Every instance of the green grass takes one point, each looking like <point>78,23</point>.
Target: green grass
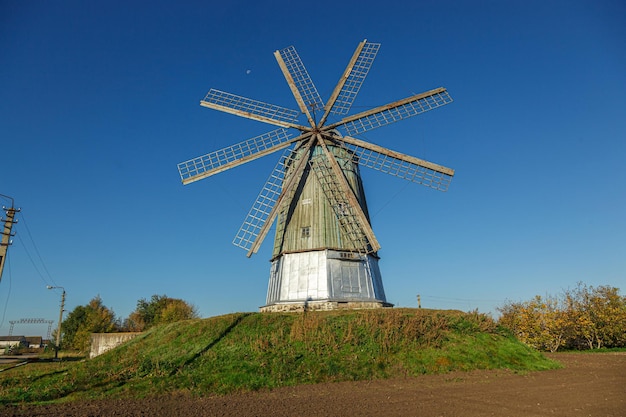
<point>252,351</point>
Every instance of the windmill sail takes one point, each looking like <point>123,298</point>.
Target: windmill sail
<point>251,109</point>
<point>263,205</point>
<point>400,165</point>
<point>301,79</point>
<point>215,162</point>
<point>394,112</point>
<point>325,252</point>
<point>353,78</point>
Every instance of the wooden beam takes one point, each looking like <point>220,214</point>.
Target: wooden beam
<point>354,202</point>
<point>294,90</point>
<point>403,157</point>
<point>244,159</point>
<point>341,83</point>
<point>387,107</point>
<point>287,187</point>
<point>252,116</point>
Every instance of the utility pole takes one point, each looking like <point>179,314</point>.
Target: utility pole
<point>58,343</point>
<point>6,232</point>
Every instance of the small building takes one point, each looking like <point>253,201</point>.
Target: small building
<point>12,342</point>
<point>34,342</point>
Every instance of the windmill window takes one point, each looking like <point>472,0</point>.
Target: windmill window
<point>306,231</point>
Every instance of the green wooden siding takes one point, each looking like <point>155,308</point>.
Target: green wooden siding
<point>310,222</point>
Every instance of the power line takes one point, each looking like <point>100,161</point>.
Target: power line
<point>48,281</point>
<point>469,303</point>
<point>434,297</point>
<point>36,249</point>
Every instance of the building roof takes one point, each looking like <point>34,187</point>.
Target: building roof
<point>12,338</point>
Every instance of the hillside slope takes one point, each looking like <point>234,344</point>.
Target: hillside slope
<point>250,351</point>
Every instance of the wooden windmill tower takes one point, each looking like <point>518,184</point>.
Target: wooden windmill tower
<point>325,252</point>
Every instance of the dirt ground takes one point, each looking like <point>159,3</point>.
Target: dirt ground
<point>588,385</point>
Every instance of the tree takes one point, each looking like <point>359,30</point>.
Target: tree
<point>94,317</point>
<point>160,309</point>
<point>599,316</point>
<point>582,318</point>
<point>177,310</point>
<point>539,323</point>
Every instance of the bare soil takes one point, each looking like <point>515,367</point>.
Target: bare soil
<point>588,385</point>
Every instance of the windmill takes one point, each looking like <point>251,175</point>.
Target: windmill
<point>325,252</point>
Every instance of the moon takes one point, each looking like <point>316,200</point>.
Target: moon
<point>248,71</point>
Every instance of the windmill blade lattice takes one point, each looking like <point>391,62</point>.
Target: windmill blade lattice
<point>251,109</point>
<point>353,83</point>
<point>352,227</point>
<point>394,112</point>
<point>212,163</point>
<point>284,200</point>
<point>301,78</point>
<point>399,165</point>
<point>263,205</point>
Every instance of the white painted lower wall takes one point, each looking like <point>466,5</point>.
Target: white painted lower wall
<point>102,342</point>
<point>325,275</point>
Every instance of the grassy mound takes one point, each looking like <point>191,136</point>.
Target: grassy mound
<point>250,351</point>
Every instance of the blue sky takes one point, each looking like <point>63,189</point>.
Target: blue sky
<point>101,101</point>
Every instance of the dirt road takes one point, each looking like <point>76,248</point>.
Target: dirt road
<point>588,385</point>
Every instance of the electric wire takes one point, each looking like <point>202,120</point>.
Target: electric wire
<point>392,198</point>
<point>8,268</point>
<point>49,282</point>
<point>470,303</point>
<point>434,297</point>
<point>36,249</point>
